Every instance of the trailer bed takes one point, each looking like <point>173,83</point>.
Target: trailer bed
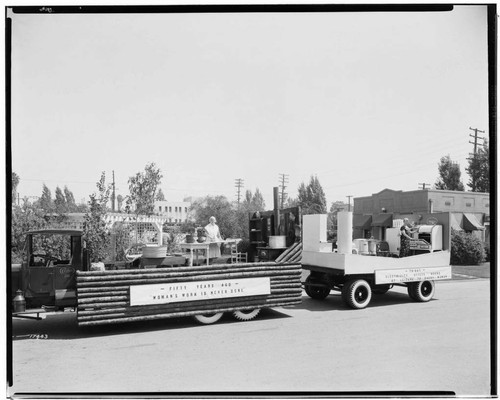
<point>106,297</point>
<point>352,264</point>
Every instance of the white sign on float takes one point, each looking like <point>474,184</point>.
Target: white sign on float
<point>412,275</point>
<point>165,293</point>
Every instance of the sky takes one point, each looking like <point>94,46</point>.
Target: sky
<point>363,101</point>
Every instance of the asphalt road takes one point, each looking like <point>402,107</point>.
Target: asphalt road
<point>318,346</point>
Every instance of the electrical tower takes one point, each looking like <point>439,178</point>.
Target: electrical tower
<point>473,155</point>
<point>113,197</point>
<point>283,182</point>
<point>475,143</point>
<point>238,184</point>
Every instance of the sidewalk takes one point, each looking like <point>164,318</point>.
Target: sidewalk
<point>471,271</point>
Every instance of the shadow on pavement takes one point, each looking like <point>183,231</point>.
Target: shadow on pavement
<point>334,302</point>
<point>63,326</point>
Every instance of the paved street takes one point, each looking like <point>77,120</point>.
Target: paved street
<point>394,344</point>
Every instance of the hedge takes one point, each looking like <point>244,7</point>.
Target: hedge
<point>466,249</point>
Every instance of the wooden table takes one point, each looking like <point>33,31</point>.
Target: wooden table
<point>196,247</point>
<point>205,246</point>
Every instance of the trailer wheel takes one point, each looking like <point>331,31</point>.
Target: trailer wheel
<point>381,289</point>
<point>246,315</point>
<point>421,291</point>
<point>358,293</point>
<point>208,318</point>
<point>315,292</point>
<point>411,291</point>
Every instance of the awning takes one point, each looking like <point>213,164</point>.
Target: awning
<point>362,221</point>
<point>454,223</point>
<point>384,220</point>
<point>471,223</point>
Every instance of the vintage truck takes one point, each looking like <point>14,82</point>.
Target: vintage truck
<point>56,273</point>
<point>359,274</point>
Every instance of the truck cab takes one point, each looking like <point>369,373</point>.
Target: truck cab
<point>47,275</point>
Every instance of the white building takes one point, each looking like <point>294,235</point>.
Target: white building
<point>173,212</point>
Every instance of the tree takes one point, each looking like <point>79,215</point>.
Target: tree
<point>160,196</point>
<point>479,170</point>
<point>119,199</point>
<point>15,183</point>
<point>449,175</point>
<point>60,201</point>
<point>45,202</point>
<point>250,204</point>
<point>253,202</point>
<point>94,227</point>
<point>220,208</point>
<point>25,217</point>
<point>333,216</point>
<point>311,198</point>
<point>142,189</point>
<point>70,200</point>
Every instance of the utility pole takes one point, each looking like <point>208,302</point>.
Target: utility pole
<point>422,186</point>
<point>475,139</point>
<point>349,202</point>
<point>113,194</point>
<point>473,155</point>
<point>238,184</point>
<point>284,180</point>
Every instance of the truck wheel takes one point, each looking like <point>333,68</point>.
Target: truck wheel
<point>316,292</point>
<point>246,315</point>
<point>358,293</point>
<point>381,289</point>
<point>421,291</point>
<point>208,318</point>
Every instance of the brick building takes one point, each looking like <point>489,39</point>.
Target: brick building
<point>467,211</point>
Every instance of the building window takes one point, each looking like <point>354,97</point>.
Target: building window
<point>170,209</point>
<point>468,205</point>
<point>447,203</point>
<point>160,208</point>
<point>185,209</point>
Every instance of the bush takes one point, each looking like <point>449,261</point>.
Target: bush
<point>486,251</point>
<point>466,249</point>
<point>244,246</point>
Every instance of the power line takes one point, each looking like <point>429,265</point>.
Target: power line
<point>113,197</point>
<point>284,180</point>
<point>238,184</point>
<point>475,138</point>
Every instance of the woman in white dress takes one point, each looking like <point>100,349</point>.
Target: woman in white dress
<point>213,235</point>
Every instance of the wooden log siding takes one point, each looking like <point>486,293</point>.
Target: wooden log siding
<point>104,296</point>
<point>291,255</point>
<point>285,254</point>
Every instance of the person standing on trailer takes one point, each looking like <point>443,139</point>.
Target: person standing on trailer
<point>406,232</point>
<point>213,235</point>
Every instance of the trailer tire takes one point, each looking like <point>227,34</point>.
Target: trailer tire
<point>315,292</point>
<point>358,293</point>
<point>246,315</point>
<point>207,319</point>
<point>421,291</point>
<point>411,291</point>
